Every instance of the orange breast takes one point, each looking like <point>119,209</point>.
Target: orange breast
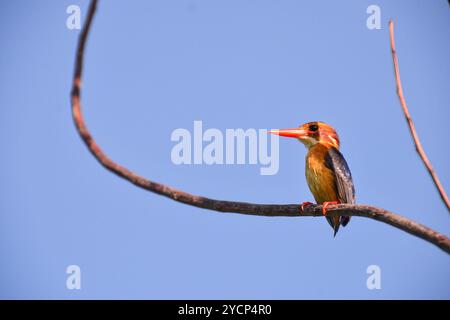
<point>320,178</point>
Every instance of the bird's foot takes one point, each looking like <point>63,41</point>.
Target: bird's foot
<point>326,204</point>
<point>305,204</point>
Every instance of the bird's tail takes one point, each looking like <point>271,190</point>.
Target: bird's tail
<point>345,220</point>
<point>336,222</point>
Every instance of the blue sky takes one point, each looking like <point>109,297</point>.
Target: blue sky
<point>154,66</point>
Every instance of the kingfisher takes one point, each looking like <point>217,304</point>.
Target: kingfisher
<point>327,173</point>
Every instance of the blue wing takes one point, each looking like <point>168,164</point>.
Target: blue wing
<point>343,179</point>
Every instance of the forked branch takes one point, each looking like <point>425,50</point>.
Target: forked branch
<point>268,210</point>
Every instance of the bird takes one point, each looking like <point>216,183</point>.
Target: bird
<point>327,173</point>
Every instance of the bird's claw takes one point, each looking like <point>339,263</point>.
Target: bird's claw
<point>305,204</point>
<point>326,204</point>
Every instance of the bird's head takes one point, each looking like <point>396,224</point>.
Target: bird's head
<point>311,133</point>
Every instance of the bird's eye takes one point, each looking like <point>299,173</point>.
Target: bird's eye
<point>313,127</point>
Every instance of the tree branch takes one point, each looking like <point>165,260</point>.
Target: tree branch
<point>410,122</point>
<point>268,210</point>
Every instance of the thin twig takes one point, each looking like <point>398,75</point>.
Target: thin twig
<point>410,122</point>
<point>267,210</point>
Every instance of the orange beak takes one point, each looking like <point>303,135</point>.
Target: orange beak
<point>291,133</point>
